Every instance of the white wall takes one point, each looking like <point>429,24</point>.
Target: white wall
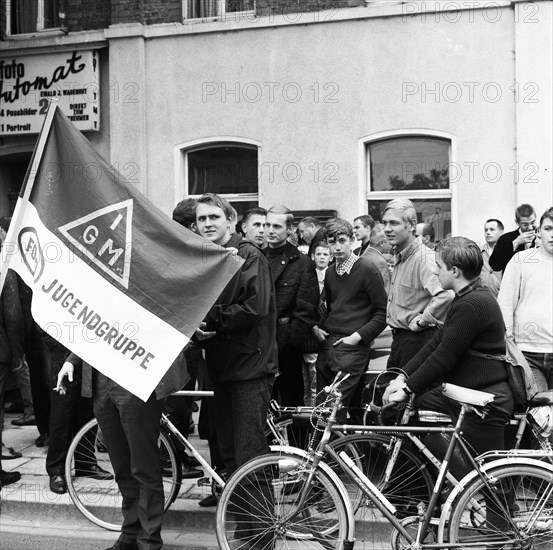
<point>357,78</point>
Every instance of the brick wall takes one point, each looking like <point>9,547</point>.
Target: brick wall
<point>278,7</point>
<point>82,15</point>
<point>161,11</point>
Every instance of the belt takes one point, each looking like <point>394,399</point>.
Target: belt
<point>283,320</point>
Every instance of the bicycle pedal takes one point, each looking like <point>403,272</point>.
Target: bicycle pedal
<point>204,482</point>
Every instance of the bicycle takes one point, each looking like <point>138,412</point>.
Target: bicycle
<point>295,496</point>
<point>398,461</point>
<point>97,496</point>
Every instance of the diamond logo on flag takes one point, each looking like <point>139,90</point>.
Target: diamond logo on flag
<point>105,237</point>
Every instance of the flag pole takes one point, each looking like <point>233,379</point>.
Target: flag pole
<point>25,193</point>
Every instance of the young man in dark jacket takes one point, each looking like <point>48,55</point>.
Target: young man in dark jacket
<point>297,298</point>
<point>239,339</point>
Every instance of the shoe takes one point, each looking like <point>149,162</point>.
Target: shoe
<point>208,501</point>
<point>189,472</point>
<point>25,420</point>
<point>58,484</point>
<point>188,460</point>
<point>8,453</point>
<point>42,440</point>
<point>92,470</point>
<point>118,545</point>
<point>7,478</point>
<point>14,408</point>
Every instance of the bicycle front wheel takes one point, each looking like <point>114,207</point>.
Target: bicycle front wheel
<point>401,475</point>
<point>516,512</point>
<point>260,507</point>
<point>96,494</point>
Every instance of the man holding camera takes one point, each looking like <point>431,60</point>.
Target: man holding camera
<point>515,241</point>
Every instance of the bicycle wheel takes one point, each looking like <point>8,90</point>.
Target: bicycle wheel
<point>97,496</point>
<point>259,507</point>
<point>405,483</point>
<point>516,514</point>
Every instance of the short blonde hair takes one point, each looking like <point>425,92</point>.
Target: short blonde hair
<point>403,208</point>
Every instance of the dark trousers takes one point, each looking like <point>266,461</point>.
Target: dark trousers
<point>406,344</point>
<point>4,371</point>
<point>288,388</point>
<point>481,434</point>
<point>178,408</point>
<point>332,359</point>
<point>241,415</point>
<point>37,355</point>
<point>68,413</point>
<point>131,430</point>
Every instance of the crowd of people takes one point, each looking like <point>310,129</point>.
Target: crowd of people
<point>307,302</point>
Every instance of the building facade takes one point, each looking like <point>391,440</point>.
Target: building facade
<point>323,106</point>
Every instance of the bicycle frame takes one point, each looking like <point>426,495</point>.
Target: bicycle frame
<point>378,499</point>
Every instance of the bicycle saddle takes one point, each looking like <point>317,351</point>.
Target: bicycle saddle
<point>466,395</point>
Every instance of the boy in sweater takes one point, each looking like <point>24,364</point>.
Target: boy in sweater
<point>525,298</point>
<point>356,312</point>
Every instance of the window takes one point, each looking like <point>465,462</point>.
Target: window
<point>201,9</point>
<point>415,167</point>
<point>228,169</point>
<point>28,16</point>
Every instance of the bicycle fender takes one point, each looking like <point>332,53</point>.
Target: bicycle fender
<point>300,453</point>
<point>446,509</point>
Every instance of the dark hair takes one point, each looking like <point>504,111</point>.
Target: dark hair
<point>280,209</point>
<point>498,222</point>
<point>428,229</point>
<point>547,214</point>
<point>310,220</point>
<point>253,212</point>
<point>524,211</point>
<point>462,253</point>
<point>367,220</point>
<point>337,226</point>
<point>185,212</point>
<point>219,202</point>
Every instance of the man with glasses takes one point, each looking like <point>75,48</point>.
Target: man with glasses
<point>515,241</point>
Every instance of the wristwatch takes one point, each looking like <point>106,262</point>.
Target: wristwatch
<point>419,324</point>
<point>406,390</point>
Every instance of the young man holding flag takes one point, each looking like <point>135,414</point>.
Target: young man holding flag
<point>125,292</point>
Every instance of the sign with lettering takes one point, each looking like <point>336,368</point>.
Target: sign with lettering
<point>29,82</point>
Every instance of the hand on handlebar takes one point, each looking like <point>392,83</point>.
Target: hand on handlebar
<point>393,388</point>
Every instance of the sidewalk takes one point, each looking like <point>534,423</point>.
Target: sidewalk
<point>30,498</point>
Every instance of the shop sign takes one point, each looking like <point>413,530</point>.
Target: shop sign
<point>29,82</point>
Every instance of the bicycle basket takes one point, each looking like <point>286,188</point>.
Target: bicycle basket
<point>541,420</point>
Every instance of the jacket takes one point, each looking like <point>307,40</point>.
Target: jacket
<point>244,318</point>
<point>503,250</point>
<point>297,296</point>
<point>12,328</point>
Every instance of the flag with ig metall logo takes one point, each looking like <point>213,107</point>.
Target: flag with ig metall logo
<point>114,279</point>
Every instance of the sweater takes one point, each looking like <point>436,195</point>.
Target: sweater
<point>473,321</point>
<point>526,300</point>
<point>356,301</point>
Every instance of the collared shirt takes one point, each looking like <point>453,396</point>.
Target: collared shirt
<point>469,288</point>
<point>415,289</point>
<point>345,266</point>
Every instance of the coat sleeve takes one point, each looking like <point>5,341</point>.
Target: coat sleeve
<point>253,299</point>
<point>13,317</point>
<point>304,315</point>
<point>502,252</point>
